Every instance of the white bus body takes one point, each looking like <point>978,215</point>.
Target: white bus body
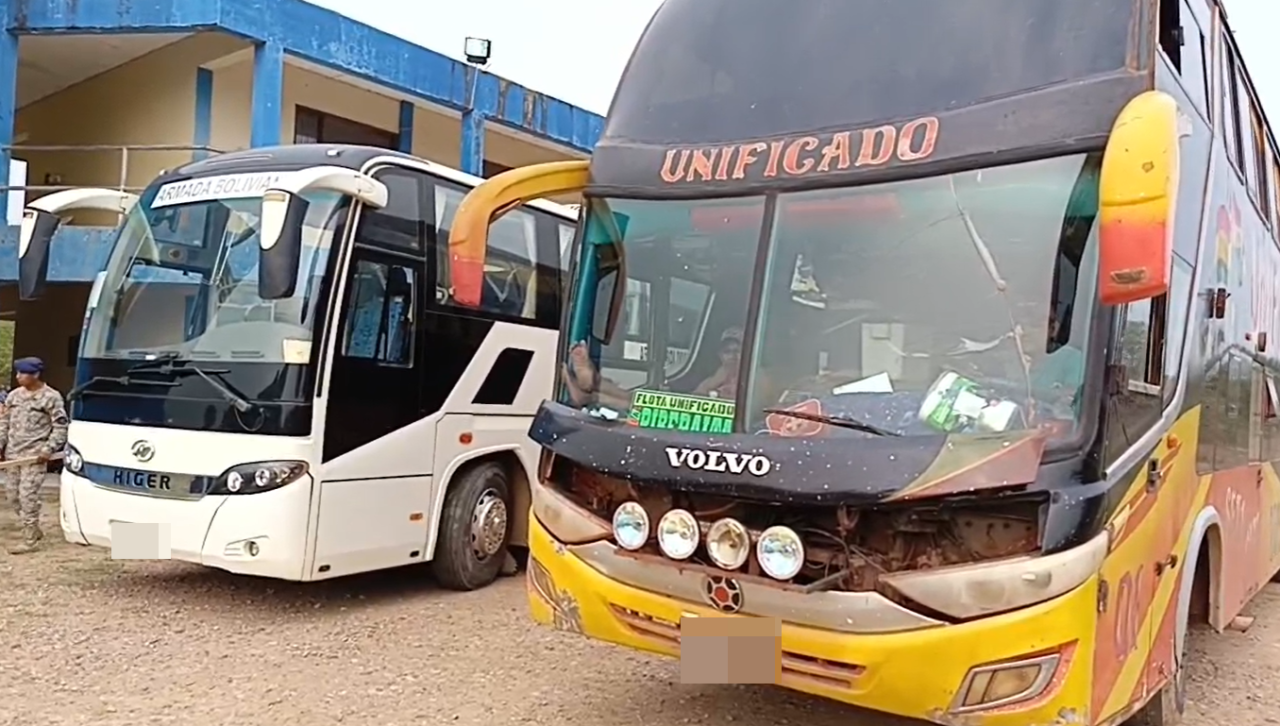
<point>354,422</point>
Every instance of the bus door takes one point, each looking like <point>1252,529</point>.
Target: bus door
<point>377,450</point>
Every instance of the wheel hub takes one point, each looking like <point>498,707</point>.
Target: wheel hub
<point>488,525</point>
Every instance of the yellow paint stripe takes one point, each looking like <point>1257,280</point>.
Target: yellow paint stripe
<point>1127,680</point>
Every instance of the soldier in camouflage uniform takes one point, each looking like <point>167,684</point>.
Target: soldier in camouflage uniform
<point>33,424</point>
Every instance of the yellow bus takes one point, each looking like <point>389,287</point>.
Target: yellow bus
<point>976,403</point>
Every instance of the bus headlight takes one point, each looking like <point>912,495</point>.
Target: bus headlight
<point>780,552</point>
<point>987,588</point>
<point>72,461</point>
<point>678,534</point>
<point>728,544</point>
<point>262,476</point>
<point>630,526</point>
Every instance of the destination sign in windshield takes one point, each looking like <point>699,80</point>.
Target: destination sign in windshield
<point>204,189</point>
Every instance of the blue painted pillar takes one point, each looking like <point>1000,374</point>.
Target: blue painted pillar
<point>202,128</point>
<point>268,91</point>
<point>473,142</point>
<point>407,110</point>
<point>8,106</point>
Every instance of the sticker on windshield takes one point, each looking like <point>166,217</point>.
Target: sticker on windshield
<point>675,412</point>
<point>227,186</point>
<point>296,351</point>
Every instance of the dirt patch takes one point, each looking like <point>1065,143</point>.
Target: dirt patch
<point>85,640</point>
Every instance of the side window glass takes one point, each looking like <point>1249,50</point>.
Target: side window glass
<point>625,358</point>
<point>1275,192</point>
<point>1226,415</point>
<point>1238,415</point>
<point>1195,68</point>
<point>1178,302</point>
<point>380,313</point>
<point>510,272</point>
<point>689,303</point>
<point>1270,419</point>
<point>566,245</point>
<point>1248,142</point>
<point>1182,42</point>
<point>1135,402</point>
<point>1264,165</point>
<point>1230,108</point>
<point>399,225</point>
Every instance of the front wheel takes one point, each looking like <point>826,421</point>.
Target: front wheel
<point>474,528</point>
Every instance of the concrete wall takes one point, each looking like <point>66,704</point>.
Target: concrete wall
<point>150,100</point>
<point>437,132</point>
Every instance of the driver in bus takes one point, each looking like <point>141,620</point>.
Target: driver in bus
<point>586,385</point>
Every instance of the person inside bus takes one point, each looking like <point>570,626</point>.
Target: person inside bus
<point>724,382</point>
<point>585,384</point>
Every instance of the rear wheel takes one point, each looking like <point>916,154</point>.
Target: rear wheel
<point>474,528</point>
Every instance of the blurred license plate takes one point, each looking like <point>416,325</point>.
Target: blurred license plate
<point>134,541</point>
<point>730,650</point>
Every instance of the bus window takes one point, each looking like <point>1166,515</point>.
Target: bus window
<point>1177,308</point>
<point>1231,135</point>
<point>510,277</point>
<point>380,314</point>
<point>1136,406</point>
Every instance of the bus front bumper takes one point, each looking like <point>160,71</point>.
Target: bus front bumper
<point>917,674</point>
<point>260,534</point>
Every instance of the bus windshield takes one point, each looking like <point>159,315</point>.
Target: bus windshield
<point>956,303</point>
<point>182,281</point>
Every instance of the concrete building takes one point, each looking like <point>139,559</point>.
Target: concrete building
<point>109,92</point>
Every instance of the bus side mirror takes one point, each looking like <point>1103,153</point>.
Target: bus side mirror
<point>1137,195</point>
<point>40,221</point>
<point>284,211</point>
<point>35,236</point>
<point>280,243</point>
<point>469,237</point>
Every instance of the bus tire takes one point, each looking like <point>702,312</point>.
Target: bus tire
<point>475,527</point>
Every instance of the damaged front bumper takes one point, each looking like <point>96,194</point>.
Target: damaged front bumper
<point>859,648</point>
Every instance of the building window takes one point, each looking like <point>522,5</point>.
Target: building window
<point>317,127</point>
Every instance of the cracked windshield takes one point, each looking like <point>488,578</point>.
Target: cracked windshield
<point>182,281</point>
<point>951,304</point>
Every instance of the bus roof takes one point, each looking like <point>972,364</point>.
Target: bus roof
<point>300,156</point>
<point>732,95</point>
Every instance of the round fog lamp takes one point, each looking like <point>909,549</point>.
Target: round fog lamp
<point>780,552</point>
<point>678,534</point>
<point>728,543</point>
<point>630,526</point>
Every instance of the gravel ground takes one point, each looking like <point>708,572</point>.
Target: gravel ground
<point>85,640</point>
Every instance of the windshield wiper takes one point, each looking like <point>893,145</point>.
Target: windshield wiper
<point>159,360</point>
<point>167,364</point>
<point>844,423</point>
<point>76,392</point>
<point>210,376</point>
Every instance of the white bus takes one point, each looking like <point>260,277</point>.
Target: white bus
<point>272,378</point>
